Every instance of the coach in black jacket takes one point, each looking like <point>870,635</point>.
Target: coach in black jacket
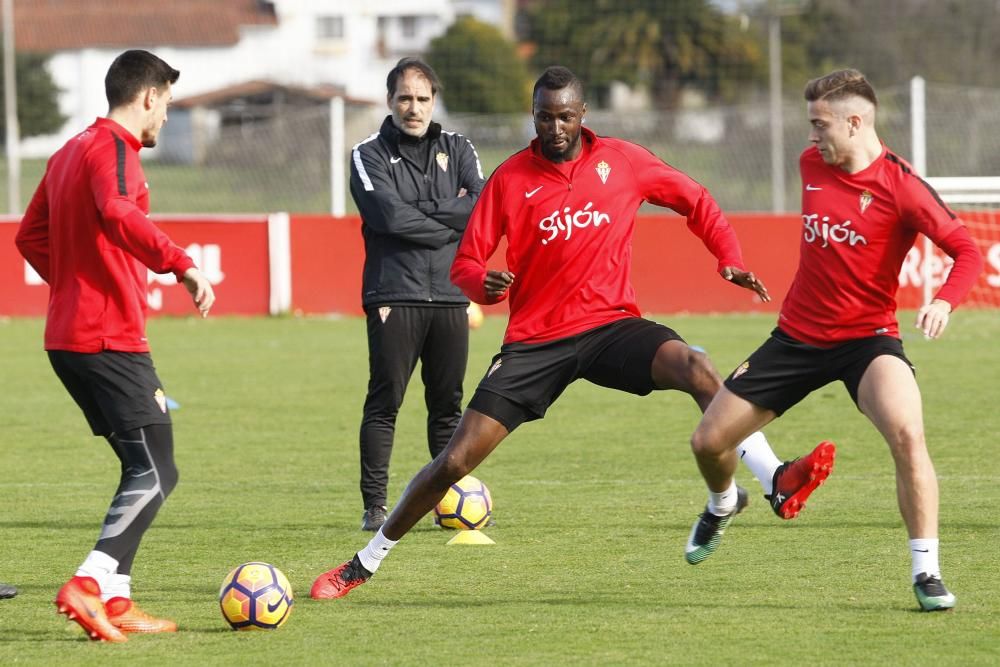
<point>415,186</point>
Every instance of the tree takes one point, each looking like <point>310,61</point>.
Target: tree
<point>664,47</point>
<point>37,97</point>
<point>952,41</point>
<point>480,70</point>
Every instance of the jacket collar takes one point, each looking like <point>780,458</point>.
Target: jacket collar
<point>119,131</point>
<point>391,133</point>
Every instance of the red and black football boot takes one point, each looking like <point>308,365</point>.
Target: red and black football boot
<point>340,581</point>
<point>794,481</point>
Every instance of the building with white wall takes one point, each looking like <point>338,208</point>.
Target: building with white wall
<point>220,43</point>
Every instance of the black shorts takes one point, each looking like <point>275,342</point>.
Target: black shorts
<point>117,391</point>
<point>783,370</point>
<point>525,379</point>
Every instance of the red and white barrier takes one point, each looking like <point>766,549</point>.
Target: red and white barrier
<point>312,264</point>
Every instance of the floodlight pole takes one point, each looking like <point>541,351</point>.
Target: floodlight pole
<point>337,173</point>
<point>918,136</point>
<point>775,10</point>
<point>10,112</point>
<point>777,119</point>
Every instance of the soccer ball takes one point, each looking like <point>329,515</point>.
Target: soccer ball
<point>475,313</point>
<point>255,596</point>
<point>466,506</point>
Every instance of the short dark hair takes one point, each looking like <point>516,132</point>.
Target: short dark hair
<point>558,77</point>
<point>133,72</point>
<point>412,62</point>
<point>839,85</point>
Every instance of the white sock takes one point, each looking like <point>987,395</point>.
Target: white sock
<point>118,586</point>
<point>98,565</point>
<point>757,455</point>
<point>723,503</point>
<point>378,548</point>
<point>924,555</point>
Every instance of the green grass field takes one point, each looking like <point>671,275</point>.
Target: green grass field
<point>594,505</point>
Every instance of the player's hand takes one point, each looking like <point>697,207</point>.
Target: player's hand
<point>200,290</point>
<point>746,279</point>
<point>462,192</point>
<point>496,283</point>
<point>933,318</point>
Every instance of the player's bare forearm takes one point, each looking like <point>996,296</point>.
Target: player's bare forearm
<point>747,280</point>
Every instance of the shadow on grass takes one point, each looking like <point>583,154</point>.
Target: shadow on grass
<point>22,636</point>
<point>32,636</point>
<point>457,602</point>
<point>54,524</point>
<point>892,521</point>
<point>622,601</point>
<point>250,525</point>
<point>223,630</point>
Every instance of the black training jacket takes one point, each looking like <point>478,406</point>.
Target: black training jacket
<point>412,217</point>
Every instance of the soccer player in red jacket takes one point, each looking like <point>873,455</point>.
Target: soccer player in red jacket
<point>567,206</point>
<point>862,207</point>
<point>88,235</point>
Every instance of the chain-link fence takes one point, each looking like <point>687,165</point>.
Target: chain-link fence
<point>284,163</point>
<point>262,142</point>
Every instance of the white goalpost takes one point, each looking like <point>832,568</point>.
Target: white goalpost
<point>975,198</point>
<point>971,190</point>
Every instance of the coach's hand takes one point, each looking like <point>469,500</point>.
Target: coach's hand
<point>933,318</point>
<point>496,283</point>
<point>200,289</point>
<point>746,279</point>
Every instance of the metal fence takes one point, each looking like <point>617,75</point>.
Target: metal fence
<point>284,163</point>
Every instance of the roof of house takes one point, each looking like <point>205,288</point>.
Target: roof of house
<point>257,87</point>
<point>63,25</point>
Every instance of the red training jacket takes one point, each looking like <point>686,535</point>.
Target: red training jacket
<point>569,234</point>
<point>856,231</point>
<point>87,234</point>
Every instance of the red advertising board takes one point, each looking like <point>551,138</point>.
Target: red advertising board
<point>327,255</point>
<point>672,271</point>
<point>311,264</point>
<point>232,251</point>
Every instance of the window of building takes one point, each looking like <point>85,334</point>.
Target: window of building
<point>408,25</point>
<point>381,38</point>
<point>330,27</point>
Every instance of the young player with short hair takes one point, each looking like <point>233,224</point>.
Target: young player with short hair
<point>862,208</point>
<point>88,235</point>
